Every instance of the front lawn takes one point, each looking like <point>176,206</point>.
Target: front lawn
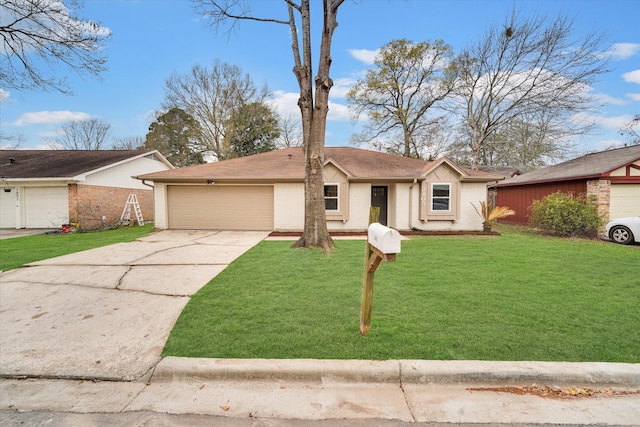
<point>19,251</point>
<point>519,296</point>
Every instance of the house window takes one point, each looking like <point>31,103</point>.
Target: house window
<point>331,197</point>
<point>440,197</point>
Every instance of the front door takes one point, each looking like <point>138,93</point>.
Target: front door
<point>379,200</point>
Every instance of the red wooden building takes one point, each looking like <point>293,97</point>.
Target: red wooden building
<point>609,178</point>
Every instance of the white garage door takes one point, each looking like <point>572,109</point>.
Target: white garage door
<point>8,208</point>
<point>625,201</point>
<point>46,207</point>
<point>215,207</point>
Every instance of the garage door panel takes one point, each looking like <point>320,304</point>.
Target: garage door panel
<point>625,201</point>
<point>46,207</point>
<point>220,207</point>
<point>8,208</point>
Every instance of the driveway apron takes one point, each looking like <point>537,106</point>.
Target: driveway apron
<point>106,313</point>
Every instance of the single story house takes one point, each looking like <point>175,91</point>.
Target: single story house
<point>609,178</point>
<point>48,188</point>
<point>266,192</point>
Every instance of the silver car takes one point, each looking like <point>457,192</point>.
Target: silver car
<point>624,230</point>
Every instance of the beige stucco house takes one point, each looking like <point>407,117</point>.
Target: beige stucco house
<point>266,192</point>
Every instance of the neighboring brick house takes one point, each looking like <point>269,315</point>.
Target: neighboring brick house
<point>48,188</point>
<point>610,179</point>
<point>266,192</point>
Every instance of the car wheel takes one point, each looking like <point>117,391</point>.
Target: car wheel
<point>621,234</point>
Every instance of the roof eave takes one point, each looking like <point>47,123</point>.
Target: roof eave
<point>481,178</point>
<point>546,181</point>
<point>61,179</point>
<point>219,179</point>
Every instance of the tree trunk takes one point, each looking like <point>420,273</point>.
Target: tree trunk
<point>314,121</point>
<point>315,231</point>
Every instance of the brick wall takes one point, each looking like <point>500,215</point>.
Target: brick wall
<point>88,204</point>
<point>599,193</point>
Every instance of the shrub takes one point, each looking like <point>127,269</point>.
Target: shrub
<point>566,215</point>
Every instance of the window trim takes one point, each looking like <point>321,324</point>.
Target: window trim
<point>336,197</point>
<point>449,198</point>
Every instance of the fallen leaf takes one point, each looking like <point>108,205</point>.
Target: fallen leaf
<point>224,408</point>
<point>201,387</point>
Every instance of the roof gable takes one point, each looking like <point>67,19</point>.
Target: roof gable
<point>34,164</point>
<point>432,166</point>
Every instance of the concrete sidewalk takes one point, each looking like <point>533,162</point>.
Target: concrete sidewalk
<point>295,392</point>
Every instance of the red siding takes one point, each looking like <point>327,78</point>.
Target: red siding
<point>520,197</point>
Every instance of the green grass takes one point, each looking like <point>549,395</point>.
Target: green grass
<point>519,296</point>
<point>17,252</point>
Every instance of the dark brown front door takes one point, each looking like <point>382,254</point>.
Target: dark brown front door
<point>379,200</point>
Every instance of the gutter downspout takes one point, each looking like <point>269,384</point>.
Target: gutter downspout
<point>148,185</point>
<point>415,181</point>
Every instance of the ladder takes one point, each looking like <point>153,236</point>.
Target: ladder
<point>125,218</point>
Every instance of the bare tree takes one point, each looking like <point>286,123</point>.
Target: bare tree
<point>527,67</point>
<point>211,96</point>
<point>397,96</point>
<point>430,142</point>
<point>632,130</point>
<point>290,132</point>
<point>10,141</point>
<point>530,140</point>
<point>35,32</point>
<point>128,143</point>
<point>314,104</point>
<point>91,134</point>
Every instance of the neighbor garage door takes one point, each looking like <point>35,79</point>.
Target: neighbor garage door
<point>216,207</point>
<point>8,208</point>
<point>46,207</point>
<point>625,200</point>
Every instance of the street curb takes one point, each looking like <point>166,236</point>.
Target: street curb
<point>317,370</point>
<point>400,371</point>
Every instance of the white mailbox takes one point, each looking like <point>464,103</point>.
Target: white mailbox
<point>383,238</point>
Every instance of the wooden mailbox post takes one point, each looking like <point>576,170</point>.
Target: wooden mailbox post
<point>383,243</point>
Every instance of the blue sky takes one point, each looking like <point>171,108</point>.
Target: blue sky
<point>153,38</point>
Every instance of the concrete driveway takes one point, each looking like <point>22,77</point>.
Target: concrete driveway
<point>106,313</point>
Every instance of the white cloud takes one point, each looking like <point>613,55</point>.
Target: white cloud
<point>613,123</point>
<point>341,87</point>
<point>632,76</point>
<point>338,112</point>
<point>623,50</point>
<point>606,99</point>
<point>50,117</point>
<point>634,96</point>
<point>364,55</point>
<point>286,103</point>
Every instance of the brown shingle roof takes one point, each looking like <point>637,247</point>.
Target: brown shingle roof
<point>288,164</point>
<point>59,163</point>
<point>588,166</point>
